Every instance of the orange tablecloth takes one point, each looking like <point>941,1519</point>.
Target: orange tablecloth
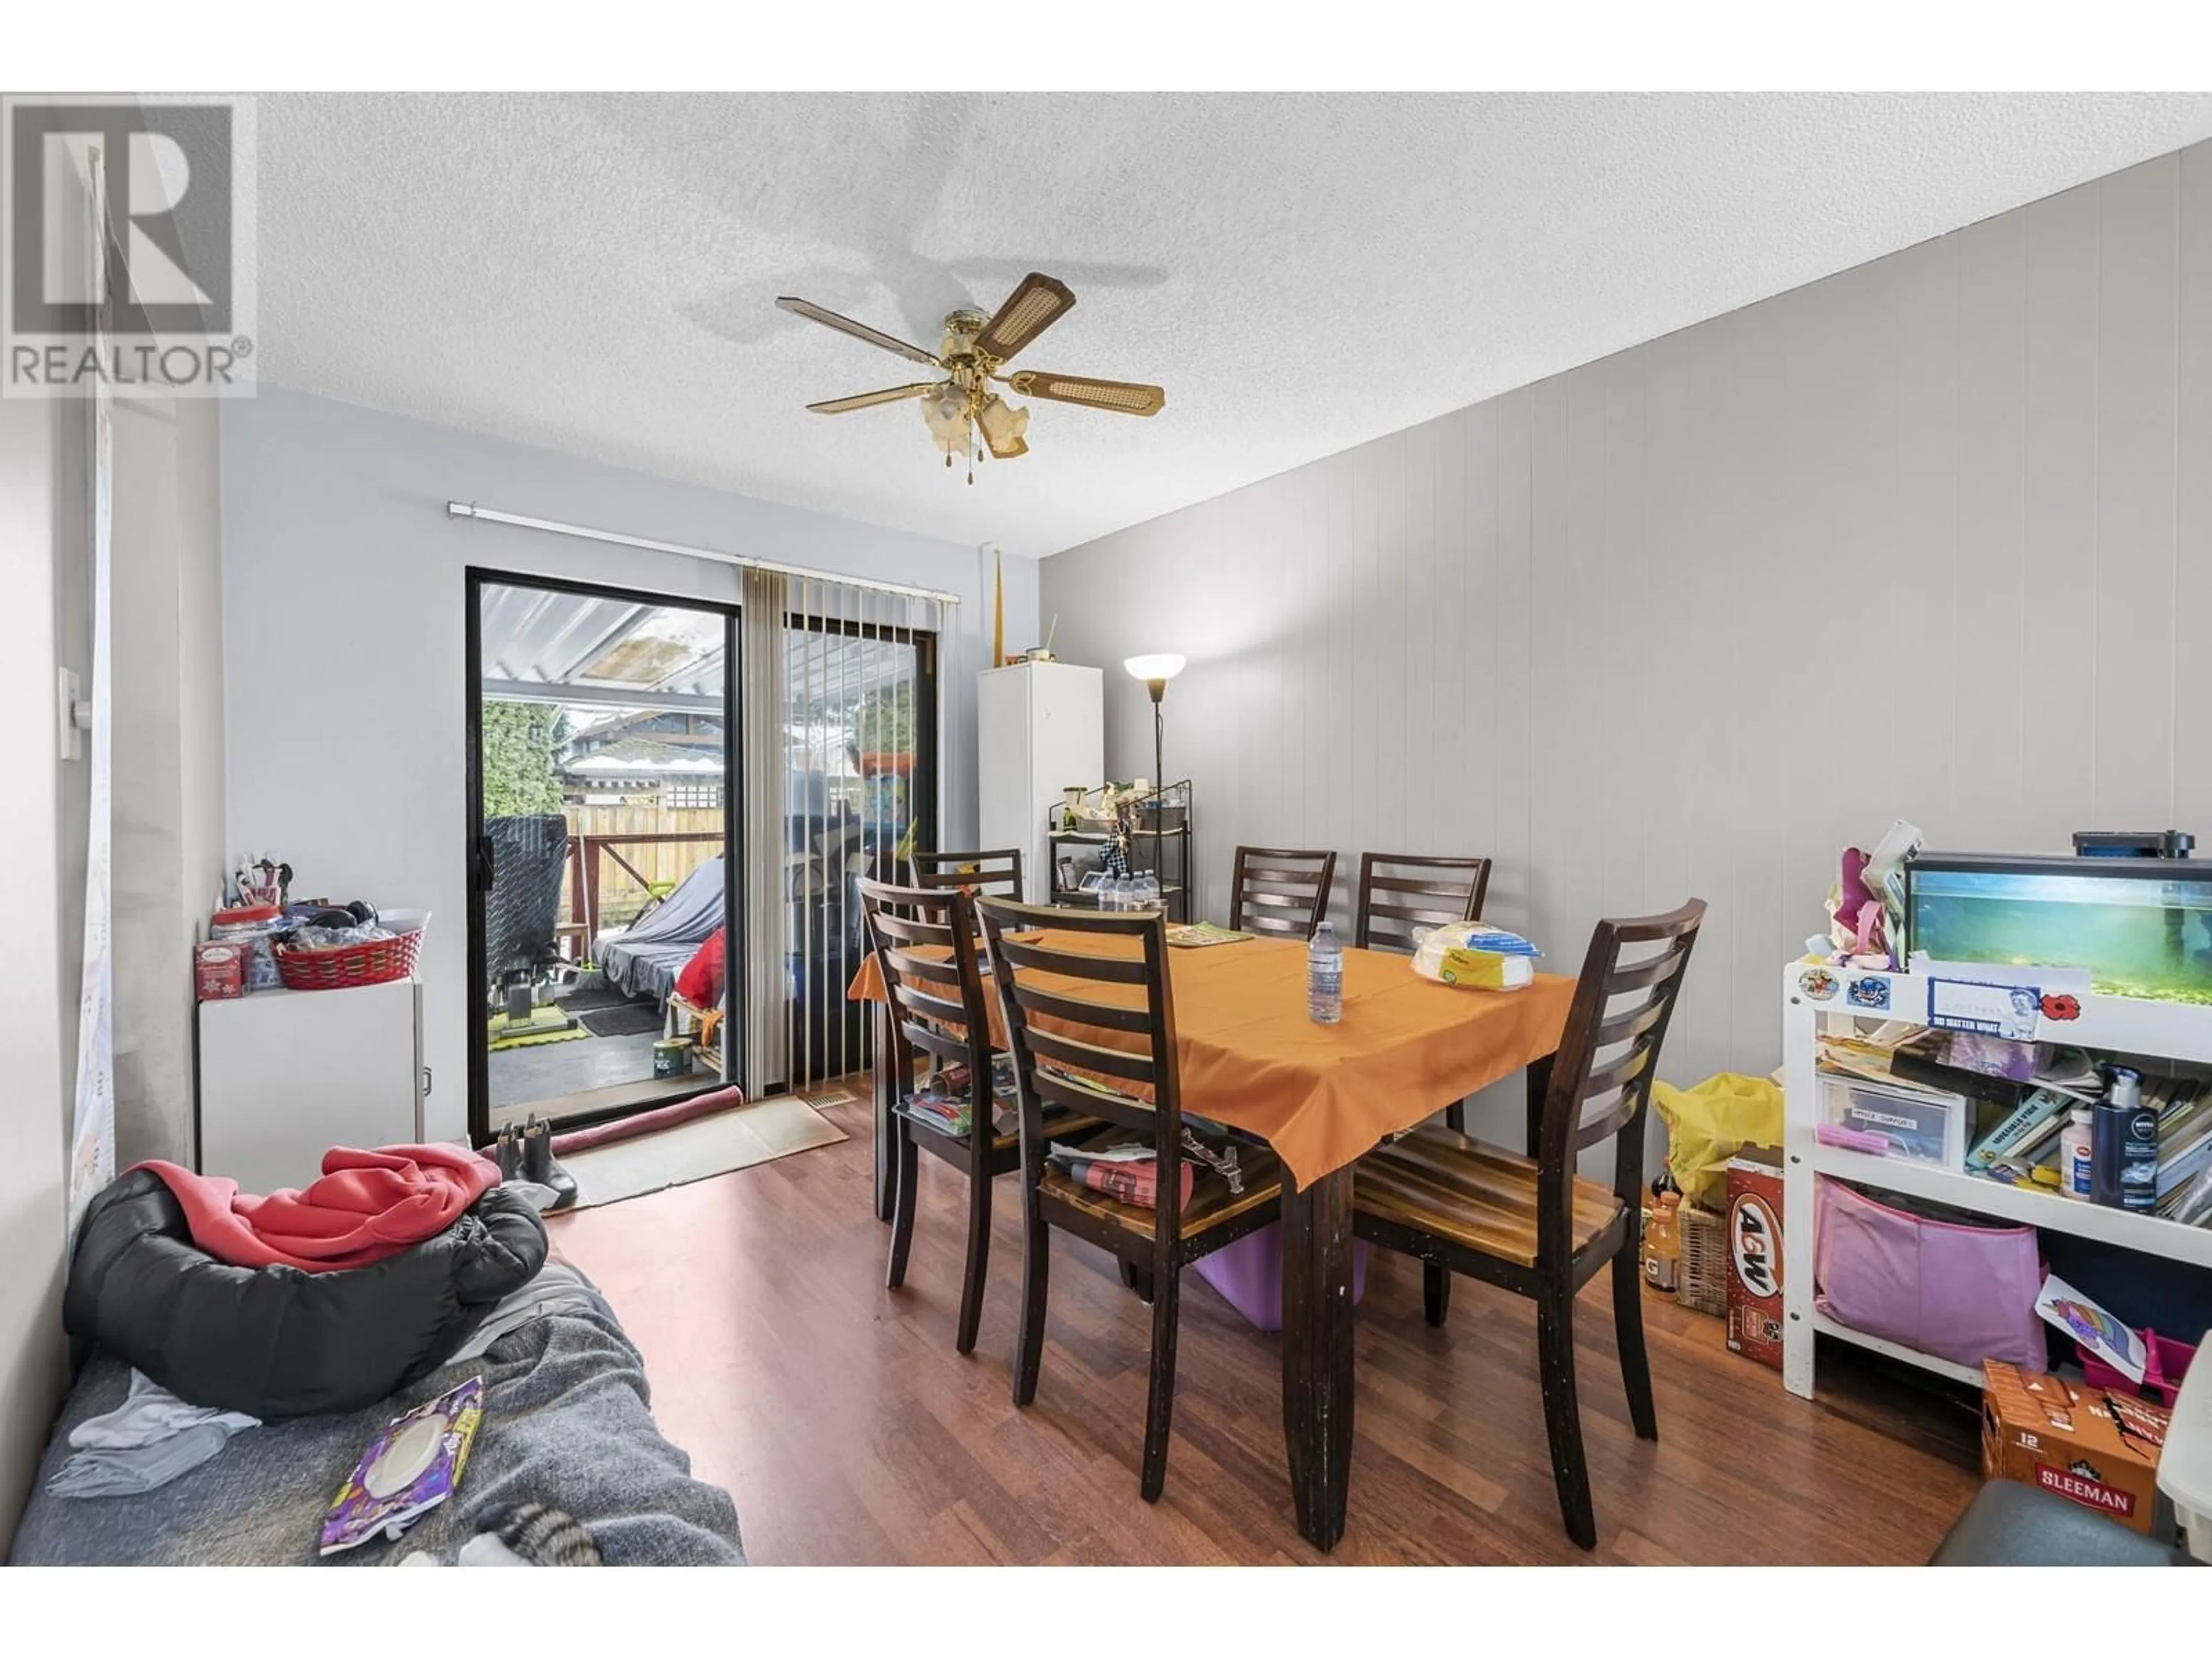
<point>1323,1095</point>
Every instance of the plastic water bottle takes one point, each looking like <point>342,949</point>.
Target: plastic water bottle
<point>1147,895</point>
<point>1324,977</point>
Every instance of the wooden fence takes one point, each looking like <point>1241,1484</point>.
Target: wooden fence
<point>616,854</point>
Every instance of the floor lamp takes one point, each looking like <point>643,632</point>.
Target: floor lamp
<point>1156,671</point>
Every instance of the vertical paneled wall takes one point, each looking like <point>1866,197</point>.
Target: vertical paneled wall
<point>1929,539</point>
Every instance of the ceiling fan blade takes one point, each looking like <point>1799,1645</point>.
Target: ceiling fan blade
<point>874,336</point>
<point>1122,397</point>
<point>869,400</point>
<point>1034,307</point>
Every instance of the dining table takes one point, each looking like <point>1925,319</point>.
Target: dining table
<point>1322,1096</point>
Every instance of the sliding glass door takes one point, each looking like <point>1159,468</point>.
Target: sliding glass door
<point>623,954</point>
<point>604,826</point>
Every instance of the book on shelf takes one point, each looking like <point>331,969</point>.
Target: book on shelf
<point>2022,1131</point>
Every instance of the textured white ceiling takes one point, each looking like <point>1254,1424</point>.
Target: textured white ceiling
<point>1302,272</point>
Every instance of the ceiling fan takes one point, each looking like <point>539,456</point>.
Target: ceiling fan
<point>974,349</point>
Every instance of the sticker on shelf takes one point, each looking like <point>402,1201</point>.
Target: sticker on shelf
<point>1817,985</point>
<point>2058,1005</point>
<point>1870,993</point>
<point>2005,1010</point>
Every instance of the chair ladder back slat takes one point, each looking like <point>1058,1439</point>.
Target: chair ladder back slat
<point>1073,964</point>
<point>1632,1022</point>
<point>912,965</point>
<point>1071,1093</point>
<point>923,1000</point>
<point>936,1040</point>
<point>1106,1016</point>
<point>1078,1055</point>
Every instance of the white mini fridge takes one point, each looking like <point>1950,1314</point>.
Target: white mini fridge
<point>286,1075</point>
<point>1040,728</point>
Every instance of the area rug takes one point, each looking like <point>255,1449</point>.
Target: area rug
<point>735,1140</point>
<point>624,1019</point>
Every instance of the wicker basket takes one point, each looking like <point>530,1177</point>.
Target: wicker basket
<point>1703,1284</point>
<point>342,967</point>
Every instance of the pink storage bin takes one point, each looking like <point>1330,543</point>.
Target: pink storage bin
<point>2167,1363</point>
<point>1960,1293</point>
<point>1249,1273</point>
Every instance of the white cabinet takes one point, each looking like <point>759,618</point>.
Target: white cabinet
<point>1040,728</point>
<point>287,1075</point>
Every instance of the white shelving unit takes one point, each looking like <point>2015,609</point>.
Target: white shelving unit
<point>2167,1031</point>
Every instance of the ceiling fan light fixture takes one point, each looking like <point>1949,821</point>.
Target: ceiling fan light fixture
<point>946,415</point>
<point>1004,428</point>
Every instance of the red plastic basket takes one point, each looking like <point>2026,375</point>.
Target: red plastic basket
<point>340,967</point>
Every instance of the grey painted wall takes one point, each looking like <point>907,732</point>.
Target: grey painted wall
<point>1609,627</point>
<point>343,639</point>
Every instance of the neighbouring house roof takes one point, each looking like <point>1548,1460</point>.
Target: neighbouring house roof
<point>635,757</point>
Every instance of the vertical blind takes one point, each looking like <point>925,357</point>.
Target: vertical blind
<point>841,785</point>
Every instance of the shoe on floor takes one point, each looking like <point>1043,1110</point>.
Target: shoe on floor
<point>539,1164</point>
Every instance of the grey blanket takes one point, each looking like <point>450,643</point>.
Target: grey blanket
<point>566,1423</point>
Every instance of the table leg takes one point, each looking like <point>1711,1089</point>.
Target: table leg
<point>1540,1088</point>
<point>1317,1352</point>
<point>886,1139</point>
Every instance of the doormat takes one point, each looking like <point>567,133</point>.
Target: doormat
<point>625,1019</point>
<point>735,1140</point>
<point>503,1033</point>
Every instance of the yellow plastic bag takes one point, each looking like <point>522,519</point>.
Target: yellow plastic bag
<point>1706,1124</point>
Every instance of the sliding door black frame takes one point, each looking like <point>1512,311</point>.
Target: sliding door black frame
<point>735,1034</point>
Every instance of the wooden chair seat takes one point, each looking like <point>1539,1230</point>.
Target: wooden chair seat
<point>1473,1195</point>
<point>1212,1204</point>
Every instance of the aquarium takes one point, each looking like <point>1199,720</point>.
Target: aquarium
<point>2142,927</point>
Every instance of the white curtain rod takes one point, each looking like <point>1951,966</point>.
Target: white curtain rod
<point>471,510</point>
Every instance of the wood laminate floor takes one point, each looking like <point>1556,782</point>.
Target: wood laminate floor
<point>849,1431</point>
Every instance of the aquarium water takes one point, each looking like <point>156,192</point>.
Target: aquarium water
<point>2138,936</point>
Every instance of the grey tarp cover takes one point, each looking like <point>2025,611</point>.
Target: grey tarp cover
<point>646,957</point>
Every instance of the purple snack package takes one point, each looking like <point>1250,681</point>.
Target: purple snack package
<point>412,1465</point>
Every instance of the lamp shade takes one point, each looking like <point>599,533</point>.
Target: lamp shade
<point>1160,666</point>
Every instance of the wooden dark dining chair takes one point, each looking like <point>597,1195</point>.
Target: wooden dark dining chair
<point>1280,890</point>
<point>1531,1225</point>
<point>926,950</point>
<point>998,872</point>
<point>1400,892</point>
<point>1095,1033</point>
